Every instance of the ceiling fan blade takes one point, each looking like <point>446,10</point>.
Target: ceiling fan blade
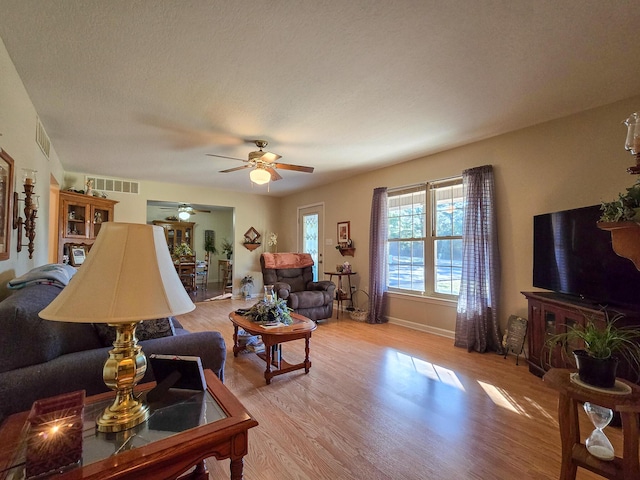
<point>201,211</point>
<point>270,157</point>
<point>224,156</point>
<point>274,175</point>
<point>297,168</point>
<point>234,169</point>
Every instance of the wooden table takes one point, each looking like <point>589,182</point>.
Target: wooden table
<point>272,337</point>
<point>339,296</point>
<point>174,439</point>
<point>574,453</point>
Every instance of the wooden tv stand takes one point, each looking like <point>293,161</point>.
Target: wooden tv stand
<point>551,313</point>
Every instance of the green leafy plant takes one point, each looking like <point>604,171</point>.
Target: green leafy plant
<point>210,246</point>
<point>269,312</point>
<point>625,208</point>
<point>227,247</point>
<point>602,342</point>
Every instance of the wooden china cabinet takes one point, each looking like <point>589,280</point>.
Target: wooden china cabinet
<point>80,219</point>
<point>177,232</point>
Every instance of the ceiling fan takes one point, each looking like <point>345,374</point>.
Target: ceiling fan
<point>264,164</point>
<point>185,210</point>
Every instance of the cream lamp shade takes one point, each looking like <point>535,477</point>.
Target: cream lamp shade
<point>260,176</point>
<point>128,276</point>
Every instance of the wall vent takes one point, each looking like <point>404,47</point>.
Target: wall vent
<point>42,139</point>
<point>103,184</point>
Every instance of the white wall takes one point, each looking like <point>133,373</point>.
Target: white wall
<point>258,211</point>
<point>17,138</point>
<point>572,162</point>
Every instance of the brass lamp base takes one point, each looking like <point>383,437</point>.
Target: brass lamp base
<point>124,368</point>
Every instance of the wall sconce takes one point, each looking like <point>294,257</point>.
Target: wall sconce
<point>30,210</point>
<point>632,144</point>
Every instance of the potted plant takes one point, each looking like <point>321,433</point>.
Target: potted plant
<point>604,346</point>
<point>273,241</point>
<point>246,285</point>
<point>625,209</point>
<point>210,246</point>
<point>227,248</point>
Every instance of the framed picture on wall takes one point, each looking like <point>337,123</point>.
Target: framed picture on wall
<point>344,233</point>
<point>6,200</point>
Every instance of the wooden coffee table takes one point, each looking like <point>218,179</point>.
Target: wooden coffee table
<point>183,429</point>
<point>272,337</point>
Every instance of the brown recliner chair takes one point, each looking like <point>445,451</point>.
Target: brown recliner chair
<point>291,275</point>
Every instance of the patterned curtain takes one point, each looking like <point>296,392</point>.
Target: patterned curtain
<point>477,325</point>
<point>378,232</point>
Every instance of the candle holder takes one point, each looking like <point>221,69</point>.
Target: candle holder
<point>632,143</point>
<point>31,202</point>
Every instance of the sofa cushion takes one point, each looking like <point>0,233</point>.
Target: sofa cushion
<point>28,340</point>
<point>308,299</point>
<point>146,330</point>
<point>294,277</point>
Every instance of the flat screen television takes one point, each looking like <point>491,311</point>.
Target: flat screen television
<point>572,256</point>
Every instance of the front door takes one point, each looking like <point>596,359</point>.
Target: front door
<point>311,235</point>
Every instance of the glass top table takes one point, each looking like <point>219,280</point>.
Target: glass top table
<point>179,415</point>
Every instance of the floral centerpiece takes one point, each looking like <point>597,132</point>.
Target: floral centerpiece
<point>273,311</point>
<point>182,249</point>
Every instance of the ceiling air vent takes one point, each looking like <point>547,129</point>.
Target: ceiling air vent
<point>103,184</point>
<point>42,139</point>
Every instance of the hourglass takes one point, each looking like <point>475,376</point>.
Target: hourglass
<point>597,443</point>
<point>268,293</point>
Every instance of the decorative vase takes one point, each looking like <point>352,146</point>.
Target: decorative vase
<point>599,372</point>
<point>245,290</point>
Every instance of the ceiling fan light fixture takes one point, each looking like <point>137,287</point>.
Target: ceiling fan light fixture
<point>184,215</point>
<point>260,176</point>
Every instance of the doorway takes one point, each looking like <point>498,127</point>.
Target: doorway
<point>208,227</point>
<point>311,235</point>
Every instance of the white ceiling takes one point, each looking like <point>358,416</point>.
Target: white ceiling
<point>144,89</point>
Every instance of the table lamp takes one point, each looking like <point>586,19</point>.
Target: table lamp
<point>128,277</point>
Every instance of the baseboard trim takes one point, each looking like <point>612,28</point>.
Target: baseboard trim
<point>422,328</point>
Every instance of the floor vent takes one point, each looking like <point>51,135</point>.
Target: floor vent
<point>42,139</point>
<point>103,184</point>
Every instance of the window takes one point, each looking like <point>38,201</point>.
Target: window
<point>425,238</point>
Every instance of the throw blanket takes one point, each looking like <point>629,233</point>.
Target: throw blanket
<point>287,260</point>
<point>57,274</point>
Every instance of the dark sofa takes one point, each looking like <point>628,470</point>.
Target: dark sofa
<point>40,358</point>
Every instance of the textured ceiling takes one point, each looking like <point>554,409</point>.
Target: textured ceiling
<point>144,89</point>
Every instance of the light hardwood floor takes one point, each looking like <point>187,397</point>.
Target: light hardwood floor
<point>387,402</point>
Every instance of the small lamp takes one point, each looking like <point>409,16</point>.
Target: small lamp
<point>260,176</point>
<point>30,211</point>
<point>128,277</point>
